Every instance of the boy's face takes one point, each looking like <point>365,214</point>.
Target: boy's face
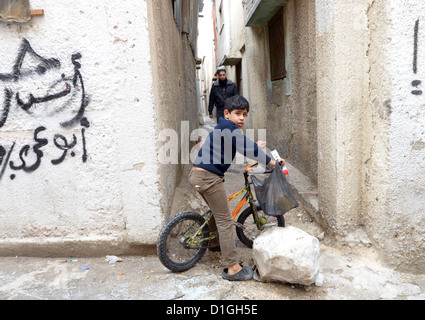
<point>237,116</point>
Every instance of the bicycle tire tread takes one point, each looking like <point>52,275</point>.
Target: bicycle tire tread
<point>162,243</point>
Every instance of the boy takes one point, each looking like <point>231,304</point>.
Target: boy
<point>207,177</point>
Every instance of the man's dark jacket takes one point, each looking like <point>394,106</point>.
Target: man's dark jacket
<point>219,94</point>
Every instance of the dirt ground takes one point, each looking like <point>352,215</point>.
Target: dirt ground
<point>350,274</point>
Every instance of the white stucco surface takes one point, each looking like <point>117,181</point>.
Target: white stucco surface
<point>407,136</point>
<point>408,116</point>
<point>366,57</point>
<point>112,195</point>
<point>324,14</point>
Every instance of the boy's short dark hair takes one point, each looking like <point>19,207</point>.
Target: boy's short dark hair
<point>236,103</point>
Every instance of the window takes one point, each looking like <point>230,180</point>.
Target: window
<point>220,16</point>
<point>277,46</point>
<point>239,77</point>
<point>177,12</point>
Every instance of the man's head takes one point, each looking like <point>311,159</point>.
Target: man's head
<point>221,74</point>
<point>236,109</point>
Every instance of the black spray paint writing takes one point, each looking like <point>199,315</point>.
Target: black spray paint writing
<point>70,86</point>
<point>29,157</point>
<point>36,154</point>
<point>416,83</point>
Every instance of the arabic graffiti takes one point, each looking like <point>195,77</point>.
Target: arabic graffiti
<point>416,83</point>
<point>71,86</point>
<point>64,99</point>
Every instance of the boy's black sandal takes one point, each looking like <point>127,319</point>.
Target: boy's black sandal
<point>243,275</point>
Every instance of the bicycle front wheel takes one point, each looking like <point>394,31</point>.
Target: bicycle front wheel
<point>247,229</point>
<point>183,241</point>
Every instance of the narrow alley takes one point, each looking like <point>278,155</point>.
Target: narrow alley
<point>102,104</point>
<point>352,272</point>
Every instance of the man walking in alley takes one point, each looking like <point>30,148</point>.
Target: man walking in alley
<point>221,90</point>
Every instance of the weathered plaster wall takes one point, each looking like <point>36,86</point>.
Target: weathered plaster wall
<point>376,127</point>
<point>90,185</point>
<point>395,171</point>
<point>237,26</point>
<point>222,16</point>
<point>256,70</point>
<point>175,91</point>
<point>206,51</point>
<point>342,93</point>
<point>370,125</point>
<point>354,120</point>
<point>407,171</point>
<point>293,114</point>
<point>290,117</point>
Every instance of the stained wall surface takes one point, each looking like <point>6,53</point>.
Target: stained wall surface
<point>79,116</point>
<point>351,120</point>
<point>394,152</point>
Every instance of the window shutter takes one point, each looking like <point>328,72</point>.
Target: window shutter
<point>277,46</point>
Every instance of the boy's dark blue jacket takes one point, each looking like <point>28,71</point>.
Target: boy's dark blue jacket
<point>219,149</point>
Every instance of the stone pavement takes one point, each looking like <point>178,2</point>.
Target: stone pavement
<point>350,273</point>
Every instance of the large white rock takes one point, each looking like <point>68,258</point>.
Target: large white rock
<point>288,255</point>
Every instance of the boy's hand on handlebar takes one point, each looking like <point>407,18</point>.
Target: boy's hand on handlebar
<point>282,162</point>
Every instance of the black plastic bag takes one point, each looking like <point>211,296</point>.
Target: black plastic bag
<point>274,194</point>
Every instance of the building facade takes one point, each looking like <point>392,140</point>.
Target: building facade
<point>338,85</point>
<point>85,91</point>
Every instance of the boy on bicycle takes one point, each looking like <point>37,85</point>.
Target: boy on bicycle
<point>207,177</point>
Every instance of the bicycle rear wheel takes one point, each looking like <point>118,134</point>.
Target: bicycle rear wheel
<point>181,242</point>
<point>247,230</point>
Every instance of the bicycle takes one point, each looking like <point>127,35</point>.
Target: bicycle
<point>185,238</point>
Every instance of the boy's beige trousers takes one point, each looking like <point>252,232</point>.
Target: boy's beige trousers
<point>211,187</point>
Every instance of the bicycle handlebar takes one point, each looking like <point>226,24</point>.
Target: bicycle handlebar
<point>248,168</point>
<point>269,170</point>
<point>251,166</point>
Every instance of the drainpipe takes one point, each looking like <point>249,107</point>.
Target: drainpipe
<point>215,36</point>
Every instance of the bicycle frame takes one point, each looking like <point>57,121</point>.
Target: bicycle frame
<point>248,197</point>
<point>191,230</point>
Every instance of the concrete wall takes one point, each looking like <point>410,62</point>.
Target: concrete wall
<point>234,27</point>
<point>206,52</point>
<point>293,113</point>
<point>223,17</point>
<point>352,121</point>
<point>255,76</point>
<point>393,189</point>
<point>342,89</point>
<point>175,89</point>
<point>92,185</point>
<point>370,125</point>
<point>237,27</point>
<point>407,198</point>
